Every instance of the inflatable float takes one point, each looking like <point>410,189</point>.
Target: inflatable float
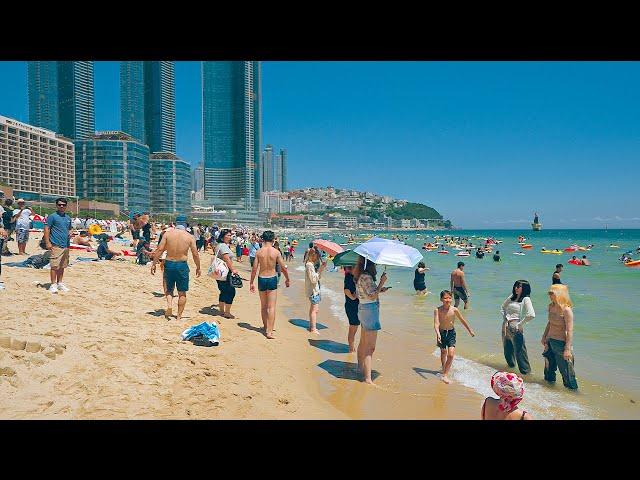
<point>443,252</point>
<point>575,262</point>
<point>634,263</point>
<point>462,254</point>
<point>526,246</point>
<point>614,246</point>
<point>518,253</point>
<point>554,252</point>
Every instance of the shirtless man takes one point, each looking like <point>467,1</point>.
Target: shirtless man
<point>82,238</point>
<point>267,257</point>
<point>459,286</point>
<point>443,319</point>
<point>177,243</point>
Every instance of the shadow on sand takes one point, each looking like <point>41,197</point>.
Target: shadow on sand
<point>210,311</point>
<point>345,370</point>
<point>329,346</point>
<point>250,327</point>
<point>423,372</point>
<point>157,313</point>
<point>299,322</point>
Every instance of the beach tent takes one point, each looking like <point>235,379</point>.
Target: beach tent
<point>38,222</point>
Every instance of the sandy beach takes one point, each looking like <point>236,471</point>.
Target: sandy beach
<point>104,350</point>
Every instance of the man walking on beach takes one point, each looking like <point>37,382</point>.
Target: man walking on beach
<point>459,287</point>
<point>56,237</point>
<point>267,257</point>
<point>177,243</point>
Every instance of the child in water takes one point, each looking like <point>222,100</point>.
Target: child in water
<point>443,319</point>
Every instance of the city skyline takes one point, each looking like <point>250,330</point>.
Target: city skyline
<point>430,131</point>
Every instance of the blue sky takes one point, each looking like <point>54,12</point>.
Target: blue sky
<point>485,143</point>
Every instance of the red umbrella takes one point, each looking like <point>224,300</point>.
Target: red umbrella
<point>329,247</point>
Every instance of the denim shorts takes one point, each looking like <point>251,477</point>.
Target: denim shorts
<point>369,315</point>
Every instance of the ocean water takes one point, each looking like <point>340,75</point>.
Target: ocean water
<point>606,309</point>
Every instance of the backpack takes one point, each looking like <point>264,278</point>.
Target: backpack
<point>218,270</point>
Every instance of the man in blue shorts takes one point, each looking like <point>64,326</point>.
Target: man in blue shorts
<point>176,243</point>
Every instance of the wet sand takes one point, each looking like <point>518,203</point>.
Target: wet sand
<point>334,370</point>
<point>104,350</point>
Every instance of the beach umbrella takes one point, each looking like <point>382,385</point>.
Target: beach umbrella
<point>389,252</point>
<point>348,258</point>
<point>330,247</point>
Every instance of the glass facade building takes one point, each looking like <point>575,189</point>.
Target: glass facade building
<point>273,170</point>
<point>231,134</point>
<point>61,97</point>
<point>43,94</point>
<point>132,99</point>
<point>160,106</point>
<point>170,184</point>
<point>114,167</point>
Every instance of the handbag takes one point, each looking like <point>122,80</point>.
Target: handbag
<point>236,281</point>
<point>218,270</point>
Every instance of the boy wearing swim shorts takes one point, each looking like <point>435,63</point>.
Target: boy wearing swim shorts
<point>443,320</point>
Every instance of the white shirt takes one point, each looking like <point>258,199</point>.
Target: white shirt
<point>519,312</point>
<point>23,220</point>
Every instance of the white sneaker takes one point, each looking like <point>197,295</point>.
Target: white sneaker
<point>62,287</point>
<point>53,288</point>
<point>1,286</point>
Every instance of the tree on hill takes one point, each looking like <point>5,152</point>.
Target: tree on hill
<point>413,210</point>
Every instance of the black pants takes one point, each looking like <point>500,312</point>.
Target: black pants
<point>514,346</point>
<point>227,291</point>
<point>199,244</point>
<point>554,360</point>
<point>2,240</point>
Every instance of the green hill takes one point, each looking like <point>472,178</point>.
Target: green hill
<point>413,210</point>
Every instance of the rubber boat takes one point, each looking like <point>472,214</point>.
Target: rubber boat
<point>634,263</point>
<point>554,252</point>
<point>526,245</point>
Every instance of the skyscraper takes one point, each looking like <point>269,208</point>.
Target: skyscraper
<point>282,158</point>
<point>61,97</point>
<point>231,120</point>
<point>267,170</point>
<point>43,94</point>
<point>132,99</point>
<point>160,106</point>
<point>273,170</point>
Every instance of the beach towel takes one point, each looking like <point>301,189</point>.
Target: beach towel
<point>204,334</point>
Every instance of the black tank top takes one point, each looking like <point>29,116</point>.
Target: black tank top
<point>419,278</point>
<point>555,280</point>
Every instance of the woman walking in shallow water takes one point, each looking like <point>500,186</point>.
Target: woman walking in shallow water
<point>557,338</point>
<point>368,312</point>
<point>516,311</point>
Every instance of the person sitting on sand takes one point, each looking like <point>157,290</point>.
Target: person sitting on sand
<point>104,252</point>
<point>143,252</point>
<point>443,324</point>
<point>510,390</point>
<point>176,243</point>
<point>264,265</point>
<point>83,238</point>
